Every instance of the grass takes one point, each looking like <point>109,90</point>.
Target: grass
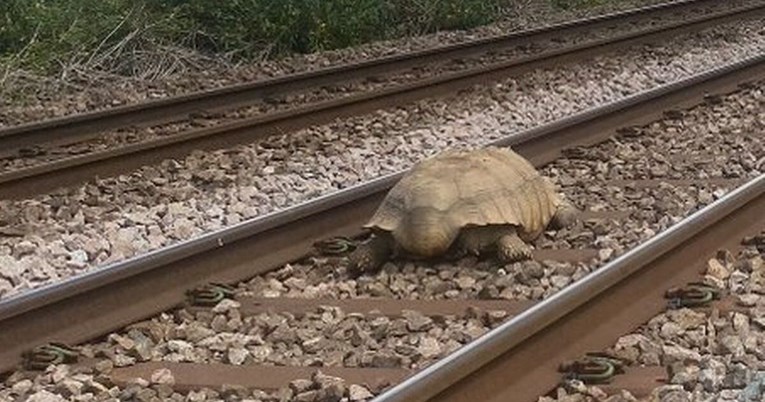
<point>45,36</point>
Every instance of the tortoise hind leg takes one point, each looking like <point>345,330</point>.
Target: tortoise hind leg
<point>474,241</point>
<point>564,216</point>
<point>369,256</point>
<point>510,248</point>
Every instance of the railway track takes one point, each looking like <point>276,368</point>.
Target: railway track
<point>80,309</point>
<point>44,156</point>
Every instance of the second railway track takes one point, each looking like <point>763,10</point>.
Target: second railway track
<point>87,124</point>
<point>56,168</point>
<point>639,194</point>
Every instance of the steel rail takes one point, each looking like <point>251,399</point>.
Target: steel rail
<point>116,295</point>
<point>85,125</point>
<point>517,360</point>
<point>69,171</point>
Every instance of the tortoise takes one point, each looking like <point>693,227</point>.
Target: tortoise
<point>459,203</point>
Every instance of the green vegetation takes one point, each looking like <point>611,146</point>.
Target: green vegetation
<point>44,35</point>
<point>119,36</point>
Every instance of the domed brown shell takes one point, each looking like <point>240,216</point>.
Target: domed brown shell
<point>487,186</point>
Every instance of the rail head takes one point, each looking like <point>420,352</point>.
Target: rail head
<point>435,379</point>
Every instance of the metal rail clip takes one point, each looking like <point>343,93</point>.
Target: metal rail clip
<point>713,99</point>
<point>31,151</point>
<point>695,294</point>
<point>210,294</point>
<point>335,246</point>
<point>52,353</point>
<point>574,153</point>
<point>594,368</point>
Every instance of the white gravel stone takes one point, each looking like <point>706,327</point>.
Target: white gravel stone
<point>22,386</point>
<point>429,347</point>
<point>226,305</point>
<point>237,356</point>
<point>163,376</point>
<point>717,269</point>
<point>358,393</point>
<point>679,353</point>
<point>45,396</point>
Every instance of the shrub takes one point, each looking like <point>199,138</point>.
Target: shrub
<point>50,31</point>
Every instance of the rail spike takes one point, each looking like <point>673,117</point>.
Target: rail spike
<point>694,294</point>
<point>42,356</point>
<point>335,246</point>
<point>593,368</point>
<point>209,295</point>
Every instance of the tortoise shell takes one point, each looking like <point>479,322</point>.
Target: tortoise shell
<point>457,189</point>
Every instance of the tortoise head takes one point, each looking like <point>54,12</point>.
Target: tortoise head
<point>425,232</point>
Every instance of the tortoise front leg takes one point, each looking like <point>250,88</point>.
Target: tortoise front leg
<point>510,248</point>
<point>369,256</point>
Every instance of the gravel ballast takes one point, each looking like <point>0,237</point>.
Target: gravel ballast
<point>51,237</point>
<point>330,337</point>
<point>605,178</point>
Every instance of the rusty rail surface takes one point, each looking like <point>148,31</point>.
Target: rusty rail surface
<point>72,170</point>
<point>95,303</point>
<point>518,361</point>
<point>171,108</point>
